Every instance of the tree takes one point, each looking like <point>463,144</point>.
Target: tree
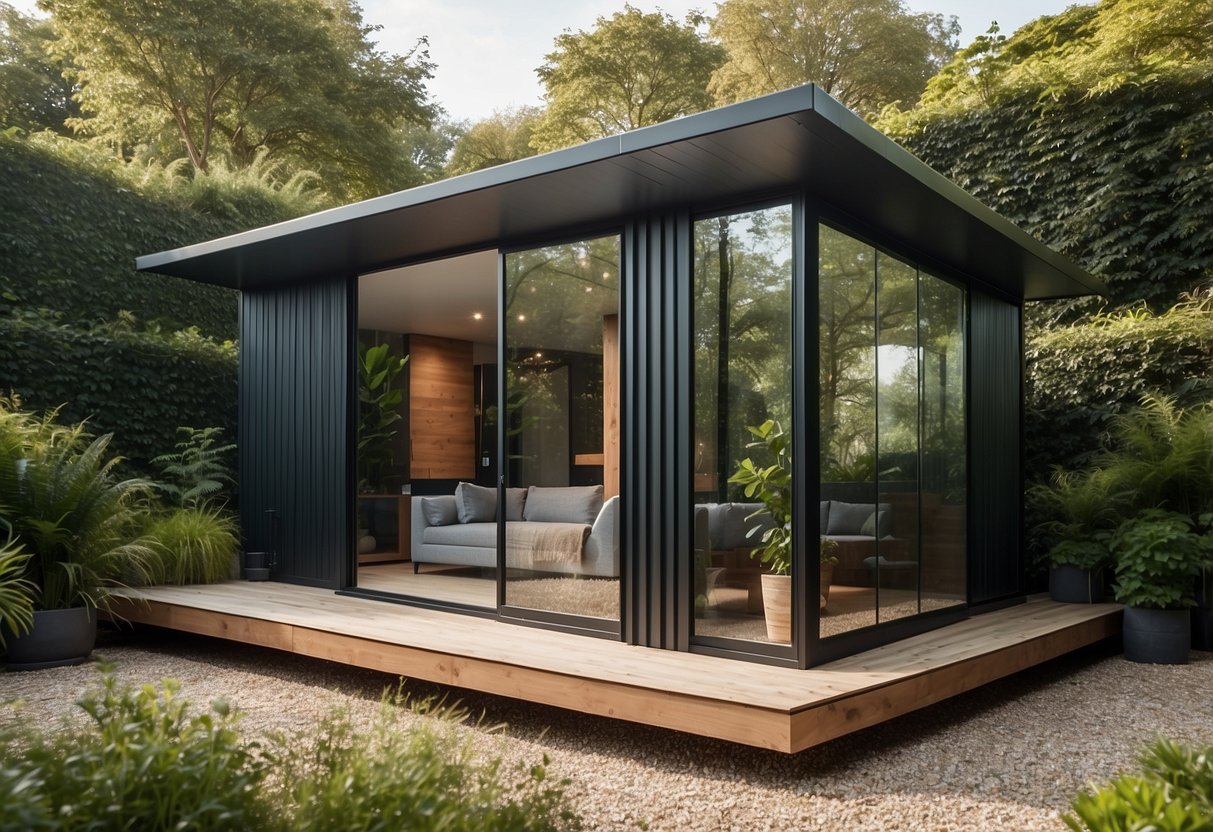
<point>631,70</point>
<point>34,95</point>
<point>505,136</point>
<point>866,53</point>
<point>298,78</point>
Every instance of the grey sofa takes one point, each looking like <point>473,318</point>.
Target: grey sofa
<point>474,542</point>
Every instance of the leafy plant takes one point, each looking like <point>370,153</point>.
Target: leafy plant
<point>1158,556</point>
<point>193,545</point>
<point>421,777</point>
<point>1079,507</point>
<point>199,469</point>
<point>1172,793</point>
<point>826,551</point>
<point>772,485</point>
<point>379,399</point>
<point>16,592</point>
<point>79,522</point>
<point>142,762</point>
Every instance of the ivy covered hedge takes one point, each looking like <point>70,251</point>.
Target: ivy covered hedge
<point>69,237</point>
<point>1120,181</point>
<point>1082,375</point>
<point>140,384</point>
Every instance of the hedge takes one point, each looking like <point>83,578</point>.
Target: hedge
<point>139,384</point>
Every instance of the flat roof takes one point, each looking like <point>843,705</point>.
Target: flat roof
<point>798,138</point>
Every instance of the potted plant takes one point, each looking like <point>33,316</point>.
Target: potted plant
<point>380,400</point>
<point>1081,508</point>
<point>827,558</point>
<point>16,592</point>
<point>80,525</point>
<point>1159,555</point>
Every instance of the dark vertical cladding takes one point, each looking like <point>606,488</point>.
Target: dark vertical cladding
<point>294,373</point>
<point>656,465</point>
<point>996,568</point>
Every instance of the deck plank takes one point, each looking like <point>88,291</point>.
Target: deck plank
<point>771,707</point>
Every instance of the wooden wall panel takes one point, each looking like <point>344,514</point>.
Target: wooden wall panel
<point>442,419</point>
<point>610,406</point>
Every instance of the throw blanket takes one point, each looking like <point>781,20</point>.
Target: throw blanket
<point>526,543</point>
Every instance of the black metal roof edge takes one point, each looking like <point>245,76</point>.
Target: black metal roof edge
<point>783,103</point>
<point>841,117</point>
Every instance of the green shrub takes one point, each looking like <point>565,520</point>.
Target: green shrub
<point>420,777</point>
<point>137,383</point>
<point>1173,793</point>
<point>193,545</point>
<point>142,763</point>
<point>16,591</point>
<point>198,471</point>
<point>1158,555</point>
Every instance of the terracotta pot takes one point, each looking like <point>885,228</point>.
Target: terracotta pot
<point>777,607</point>
<point>827,576</point>
<point>58,638</point>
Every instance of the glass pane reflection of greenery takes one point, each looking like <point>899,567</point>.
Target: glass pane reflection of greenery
<point>742,334</point>
<point>892,444</point>
<point>557,300</point>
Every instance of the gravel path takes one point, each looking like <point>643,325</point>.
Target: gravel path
<point>1007,756</point>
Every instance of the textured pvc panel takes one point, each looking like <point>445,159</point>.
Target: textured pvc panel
<point>294,377</point>
<point>996,568</point>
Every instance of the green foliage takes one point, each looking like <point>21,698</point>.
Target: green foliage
<point>1158,556</point>
<point>631,70</point>
<point>505,136</point>
<point>193,545</point>
<point>1173,793</point>
<point>142,762</point>
<point>199,470</point>
<point>1074,510</point>
<point>394,776</point>
<point>1121,181</point>
<point>866,53</point>
<point>78,520</point>
<point>138,384</point>
<point>16,591</point>
<point>34,95</point>
<point>69,234</point>
<point>1082,376</point>
<point>212,78</point>
<point>380,399</point>
<point>772,485</point>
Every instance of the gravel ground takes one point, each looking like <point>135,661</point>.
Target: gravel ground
<point>1007,756</point>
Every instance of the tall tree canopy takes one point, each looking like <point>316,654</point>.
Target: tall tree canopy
<point>631,70</point>
<point>34,95</point>
<point>298,79</point>
<point>866,53</point>
<point>505,136</point>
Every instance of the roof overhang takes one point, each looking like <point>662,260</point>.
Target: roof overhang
<point>799,138</point>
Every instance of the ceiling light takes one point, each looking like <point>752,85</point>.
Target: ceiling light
<point>589,288</point>
<point>477,316</point>
<point>522,317</point>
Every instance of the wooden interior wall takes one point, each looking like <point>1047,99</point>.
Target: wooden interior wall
<point>442,416</point>
<point>610,406</point>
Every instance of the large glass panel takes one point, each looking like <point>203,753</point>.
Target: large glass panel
<point>426,365</point>
<point>847,377</point>
<point>561,406</point>
<point>742,308</point>
<point>944,461</point>
<point>896,523</point>
<point>893,465</point>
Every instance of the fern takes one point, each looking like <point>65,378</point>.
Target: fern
<point>198,471</point>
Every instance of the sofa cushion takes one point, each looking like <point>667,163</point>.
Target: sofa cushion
<point>515,500</point>
<point>876,520</point>
<point>475,503</point>
<point>825,516</point>
<point>572,504</point>
<point>439,511</point>
<point>728,526</point>
<point>481,535</point>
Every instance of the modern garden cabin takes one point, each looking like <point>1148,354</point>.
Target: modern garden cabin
<point>591,335</point>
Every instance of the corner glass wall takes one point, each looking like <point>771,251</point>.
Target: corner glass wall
<point>893,459</point>
<point>562,429</point>
<point>742,418</point>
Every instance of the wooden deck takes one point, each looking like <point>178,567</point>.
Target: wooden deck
<point>770,707</point>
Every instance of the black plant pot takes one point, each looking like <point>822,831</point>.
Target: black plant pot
<point>58,638</point>
<point>1157,636</point>
<point>1202,628</point>
<point>1072,585</point>
<point>256,566</point>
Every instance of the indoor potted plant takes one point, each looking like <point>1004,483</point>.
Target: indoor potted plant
<point>1158,557</point>
<point>80,525</point>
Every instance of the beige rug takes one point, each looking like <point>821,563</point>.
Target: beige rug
<point>595,597</point>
